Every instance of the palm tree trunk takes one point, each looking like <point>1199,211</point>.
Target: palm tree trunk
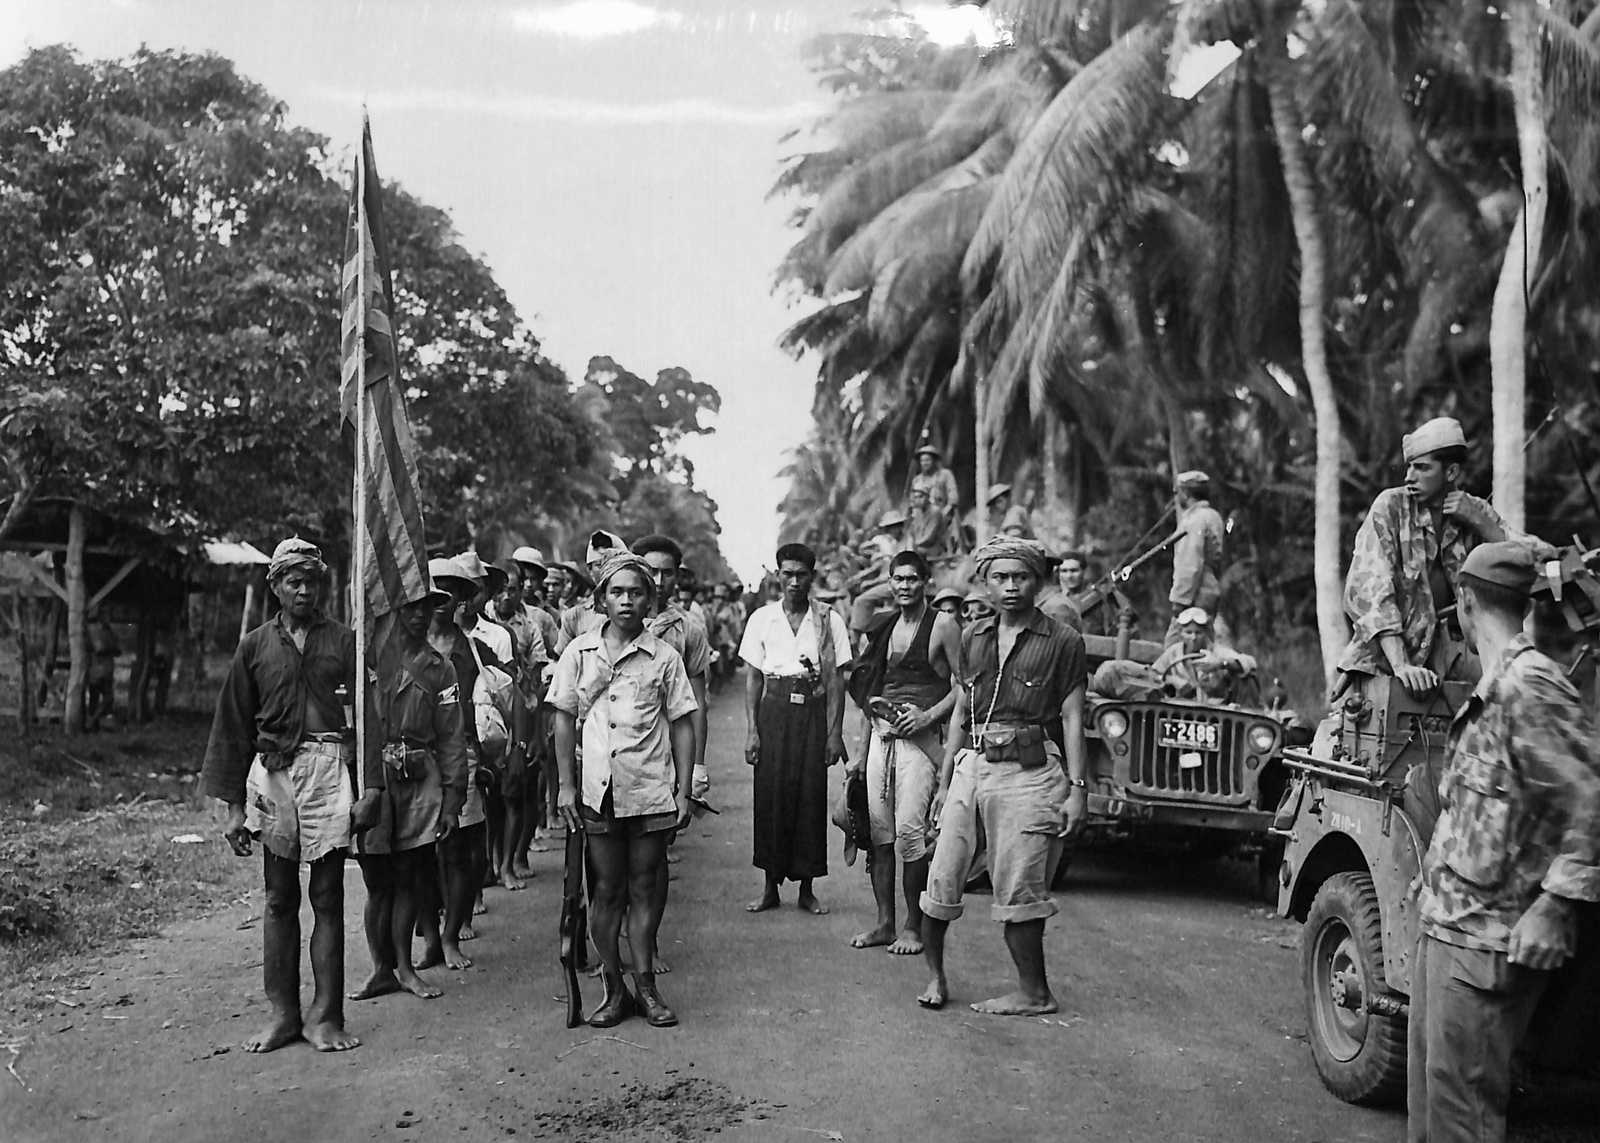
<point>980,444</point>
<point>1508,321</point>
<point>1287,126</point>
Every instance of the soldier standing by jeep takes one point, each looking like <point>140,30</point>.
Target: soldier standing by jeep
<point>1408,554</point>
<point>1516,846</point>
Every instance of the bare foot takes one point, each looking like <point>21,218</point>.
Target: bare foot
<point>510,881</point>
<point>283,1030</point>
<point>935,995</point>
<point>468,933</point>
<point>432,957</point>
<point>659,966</point>
<point>768,900</point>
<point>873,938</point>
<point>415,985</point>
<point>381,983</point>
<point>327,1037</point>
<point>908,943</point>
<point>813,906</point>
<point>521,870</point>
<point>1016,1004</point>
<point>673,858</point>
<point>454,958</point>
<point>478,907</point>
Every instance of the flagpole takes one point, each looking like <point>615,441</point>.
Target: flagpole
<point>358,560</point>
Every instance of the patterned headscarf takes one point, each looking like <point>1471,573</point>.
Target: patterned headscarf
<point>623,560</point>
<point>295,554</point>
<point>1005,547</point>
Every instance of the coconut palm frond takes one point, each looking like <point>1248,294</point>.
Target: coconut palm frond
<point>870,186</point>
<point>1571,66</point>
<point>944,211</point>
<point>819,330</point>
<point>1085,150</point>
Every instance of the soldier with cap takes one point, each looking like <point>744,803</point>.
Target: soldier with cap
<point>936,480</point>
<point>1014,518</point>
<point>1197,556</point>
<point>1408,554</point>
<point>424,748</point>
<point>1516,848</point>
<point>282,759</point>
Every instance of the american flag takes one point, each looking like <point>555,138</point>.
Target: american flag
<point>387,534</point>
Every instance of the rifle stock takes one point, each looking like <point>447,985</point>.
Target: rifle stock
<point>574,925</point>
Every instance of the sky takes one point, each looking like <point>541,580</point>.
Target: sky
<point>608,159</point>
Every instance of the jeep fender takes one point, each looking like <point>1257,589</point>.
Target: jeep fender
<point>1339,832</point>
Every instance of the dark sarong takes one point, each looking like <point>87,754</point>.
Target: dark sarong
<point>791,782</point>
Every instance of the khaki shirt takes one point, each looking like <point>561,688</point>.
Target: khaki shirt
<point>624,709</point>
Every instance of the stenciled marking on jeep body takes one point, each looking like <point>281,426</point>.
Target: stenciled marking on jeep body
<point>1346,822</point>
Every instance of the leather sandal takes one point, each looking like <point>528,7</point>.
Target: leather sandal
<point>655,1009</point>
<point>617,1005</point>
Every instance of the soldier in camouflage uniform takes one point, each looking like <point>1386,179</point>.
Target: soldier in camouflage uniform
<point>1516,847</point>
<point>1408,554</point>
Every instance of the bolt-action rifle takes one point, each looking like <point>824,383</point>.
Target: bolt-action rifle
<point>574,926</point>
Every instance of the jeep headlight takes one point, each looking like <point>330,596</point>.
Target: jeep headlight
<point>1262,739</point>
<point>1113,724</point>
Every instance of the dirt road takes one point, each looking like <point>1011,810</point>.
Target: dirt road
<point>1180,1020</point>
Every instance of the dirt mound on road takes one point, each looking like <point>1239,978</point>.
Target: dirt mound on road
<point>677,1109</point>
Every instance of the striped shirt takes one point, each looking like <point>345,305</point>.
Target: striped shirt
<point>1047,663</point>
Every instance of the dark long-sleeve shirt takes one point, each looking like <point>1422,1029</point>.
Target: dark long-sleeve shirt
<point>263,702</point>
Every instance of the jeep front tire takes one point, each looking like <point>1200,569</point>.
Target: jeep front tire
<point>1360,1055</point>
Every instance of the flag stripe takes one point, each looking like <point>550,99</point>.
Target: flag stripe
<point>388,512</point>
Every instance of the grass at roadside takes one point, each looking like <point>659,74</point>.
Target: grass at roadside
<point>87,851</point>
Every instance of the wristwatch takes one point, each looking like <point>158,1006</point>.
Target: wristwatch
<point>1078,782</point>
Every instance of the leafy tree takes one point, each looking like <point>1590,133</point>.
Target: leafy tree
<point>650,420</point>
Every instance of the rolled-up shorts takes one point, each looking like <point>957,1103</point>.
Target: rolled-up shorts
<point>901,778</point>
<point>1020,810</point>
<point>605,822</point>
<point>302,812</point>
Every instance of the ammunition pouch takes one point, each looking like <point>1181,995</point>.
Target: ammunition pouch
<point>1023,745</point>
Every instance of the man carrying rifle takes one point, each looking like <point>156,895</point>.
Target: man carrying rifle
<point>623,704</point>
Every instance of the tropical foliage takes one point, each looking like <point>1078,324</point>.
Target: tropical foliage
<point>1254,236</point>
<point>169,330</point>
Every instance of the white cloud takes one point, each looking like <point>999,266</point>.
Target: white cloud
<point>957,24</point>
<point>554,108</point>
<point>594,19</point>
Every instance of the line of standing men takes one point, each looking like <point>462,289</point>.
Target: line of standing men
<point>467,746</point>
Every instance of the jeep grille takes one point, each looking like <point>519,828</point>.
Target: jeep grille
<point>1154,770</point>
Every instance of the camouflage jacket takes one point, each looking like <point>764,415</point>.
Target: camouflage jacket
<point>1387,591</point>
<point>1521,804</point>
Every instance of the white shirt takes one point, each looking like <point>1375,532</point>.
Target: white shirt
<point>772,647</point>
<point>497,639</point>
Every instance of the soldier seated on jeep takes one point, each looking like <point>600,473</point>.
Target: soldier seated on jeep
<point>1196,666</point>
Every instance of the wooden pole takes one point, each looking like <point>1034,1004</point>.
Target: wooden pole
<point>358,563</point>
<point>77,623</point>
<point>249,605</point>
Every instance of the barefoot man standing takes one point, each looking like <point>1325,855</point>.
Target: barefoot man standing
<point>420,711</point>
<point>911,656</point>
<point>794,700</point>
<point>282,758</point>
<point>1019,704</point>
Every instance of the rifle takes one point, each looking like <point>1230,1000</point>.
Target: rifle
<point>574,925</point>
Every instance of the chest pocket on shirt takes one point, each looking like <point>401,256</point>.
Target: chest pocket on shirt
<point>1480,800</point>
<point>634,699</point>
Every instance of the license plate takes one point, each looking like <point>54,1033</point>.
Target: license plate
<point>1182,734</point>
